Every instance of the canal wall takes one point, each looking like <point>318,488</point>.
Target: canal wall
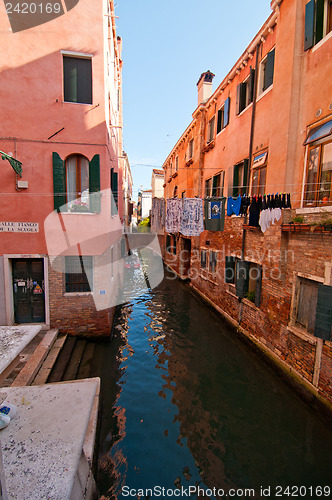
<point>287,259</point>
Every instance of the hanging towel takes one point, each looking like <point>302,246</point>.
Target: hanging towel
<point>233,206</point>
<point>192,217</point>
<point>173,215</point>
<point>158,213</point>
<point>214,214</point>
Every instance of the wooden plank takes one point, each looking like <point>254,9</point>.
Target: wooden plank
<point>74,361</point>
<point>85,365</point>
<point>29,371</point>
<point>46,368</point>
<point>62,361</point>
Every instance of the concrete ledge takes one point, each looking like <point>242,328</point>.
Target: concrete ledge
<point>43,446</point>
<point>13,339</point>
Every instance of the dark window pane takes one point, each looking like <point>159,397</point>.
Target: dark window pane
<point>78,273</point>
<point>77,80</point>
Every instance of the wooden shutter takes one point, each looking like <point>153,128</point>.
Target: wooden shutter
<point>59,185</point>
<point>323,324</point>
<point>258,286</point>
<point>226,112</point>
<point>236,180</point>
<point>238,99</point>
<point>230,269</point>
<point>269,70</point>
<point>319,20</point>
<point>309,25</point>
<point>94,184</point>
<point>115,188</point>
<point>251,84</point>
<point>219,120</point>
<point>242,278</point>
<point>245,175</point>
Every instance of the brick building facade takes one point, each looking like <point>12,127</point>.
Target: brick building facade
<point>61,119</point>
<point>267,129</point>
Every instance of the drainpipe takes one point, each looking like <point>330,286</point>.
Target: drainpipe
<point>251,145</point>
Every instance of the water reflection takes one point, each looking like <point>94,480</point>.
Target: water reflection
<point>186,403</point>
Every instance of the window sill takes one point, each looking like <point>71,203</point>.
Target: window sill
<point>314,210</point>
<point>264,93</point>
<point>189,162</point>
<point>205,276</point>
<point>209,146</point>
<point>174,175</point>
<point>80,103</point>
<point>303,334</point>
<point>80,294</point>
<point>79,213</point>
<point>322,42</point>
<point>246,108</point>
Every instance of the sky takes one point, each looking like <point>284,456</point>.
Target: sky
<point>166,45</point>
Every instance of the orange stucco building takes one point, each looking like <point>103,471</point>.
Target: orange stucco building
<point>61,118</point>
<point>267,129</point>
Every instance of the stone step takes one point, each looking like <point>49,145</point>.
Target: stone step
<point>62,361</point>
<point>46,368</point>
<point>85,364</point>
<point>31,368</point>
<point>72,367</point>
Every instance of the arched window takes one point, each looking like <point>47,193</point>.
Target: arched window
<point>77,179</point>
<point>175,195</point>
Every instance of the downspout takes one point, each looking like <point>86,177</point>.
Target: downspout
<point>251,145</point>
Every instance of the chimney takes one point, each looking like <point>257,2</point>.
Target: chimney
<point>204,87</point>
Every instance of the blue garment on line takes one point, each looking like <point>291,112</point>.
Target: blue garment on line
<point>233,206</point>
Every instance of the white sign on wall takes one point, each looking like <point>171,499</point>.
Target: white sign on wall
<point>19,227</point>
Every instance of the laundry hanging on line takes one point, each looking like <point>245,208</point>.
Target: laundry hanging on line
<point>192,223</point>
<point>158,213</point>
<point>173,215</point>
<point>214,213</point>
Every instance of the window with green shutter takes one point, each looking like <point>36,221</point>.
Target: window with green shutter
<point>230,263</point>
<point>94,184</point>
<point>318,21</point>
<point>59,186</point>
<point>314,308</point>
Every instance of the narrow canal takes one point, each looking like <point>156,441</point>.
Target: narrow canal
<point>186,403</point>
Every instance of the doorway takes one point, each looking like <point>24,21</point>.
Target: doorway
<point>185,257</point>
<point>28,290</point>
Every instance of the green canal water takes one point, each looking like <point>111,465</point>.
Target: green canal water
<point>187,404</point>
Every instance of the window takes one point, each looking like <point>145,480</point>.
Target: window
<point>215,185</point>
<point>223,116</point>
<point>76,182</point>
<point>77,179</point>
<point>191,148</point>
<point>259,174</point>
<point>248,281</point>
<point>318,189</point>
<point>175,193</point>
<point>318,21</point>
<point>213,261</point>
<point>176,163</point>
<point>78,273</point>
<point>208,184</point>
<point>240,177</point>
<point>170,244</point>
<point>183,194</point>
<point>210,136</point>
<point>245,92</point>
<point>314,308</point>
<point>77,79</point>
<point>203,258</point>
<point>266,72</point>
<point>114,190</point>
